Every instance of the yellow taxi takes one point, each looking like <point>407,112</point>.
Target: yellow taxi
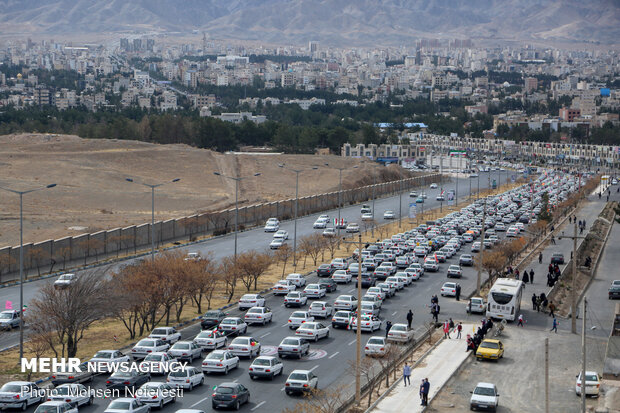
<point>490,349</point>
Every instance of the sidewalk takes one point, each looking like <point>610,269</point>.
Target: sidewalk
<point>438,366</point>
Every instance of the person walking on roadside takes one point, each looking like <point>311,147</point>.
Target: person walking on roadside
<point>554,327</point>
<point>551,309</point>
<point>409,319</point>
<point>446,329</point>
<point>422,393</point>
<point>388,326</point>
<point>534,301</point>
<point>426,389</point>
<point>459,329</point>
<point>531,276</point>
<point>525,278</point>
<point>520,323</point>
<point>407,374</point>
<point>540,257</point>
<point>458,292</point>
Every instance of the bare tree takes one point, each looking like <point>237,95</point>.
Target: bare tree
<point>251,265</point>
<point>229,273</point>
<point>332,244</point>
<point>311,247</point>
<point>6,261</point>
<point>282,255</point>
<point>388,360</point>
<point>367,373</point>
<point>70,311</point>
<point>38,255</point>
<point>38,345</point>
<point>203,280</point>
<point>64,253</point>
<point>321,401</point>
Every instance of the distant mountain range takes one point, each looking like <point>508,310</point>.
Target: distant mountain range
<point>340,22</point>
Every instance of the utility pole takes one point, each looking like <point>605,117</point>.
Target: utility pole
<point>546,375</point>
<point>358,330</point>
<point>573,293</point>
<point>484,216</point>
<point>583,357</point>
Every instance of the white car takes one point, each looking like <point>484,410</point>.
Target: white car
<point>19,394</point>
<point>156,394</point>
<point>73,393</point>
<point>315,291</point>
<point>297,318</point>
<point>272,226</point>
<point>157,363</point>
<point>367,323</point>
<point>293,346</point>
<point>244,347</point>
<point>400,333</point>
<point>476,305</point>
<point>281,234</point>
<point>265,366</point>
<point>185,350</point>
<point>376,291</point>
<point>186,378</point>
<point>104,359</point>
<point>369,308</point>
<point>353,227</point>
<point>283,287</point>
<point>342,276</point>
<point>313,331</point>
<point>220,361</point>
<point>258,315</point>
<point>345,302</point>
<point>413,273</point>
<point>484,397</point>
<point>211,339</point>
<point>433,185</point>
<point>320,223</point>
<point>127,405</point>
<point>431,265</point>
<point>593,384</point>
<point>376,346</point>
<point>320,309</point>
<point>276,243</point>
<point>389,215</point>
<point>449,289</point>
<point>168,334</point>
<point>233,325</point>
<point>329,232</point>
<point>339,264</point>
<point>396,282</point>
<point>295,299</point>
<point>298,279</point>
<point>301,381</point>
<point>148,346</point>
<point>65,280</point>
<point>367,216</point>
<point>251,300</point>
<point>454,271</point>
<point>56,406</point>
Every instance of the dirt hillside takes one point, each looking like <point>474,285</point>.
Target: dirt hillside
<point>93,194</point>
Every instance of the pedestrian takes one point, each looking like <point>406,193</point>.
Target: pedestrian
<point>422,393</point>
<point>552,240</point>
<point>531,276</point>
<point>526,278</point>
<point>580,230</point>
<point>446,329</point>
<point>520,323</point>
<point>540,257</point>
<point>555,325</point>
<point>451,323</point>
<point>534,299</point>
<point>427,387</point>
<point>459,328</point>
<point>388,325</point>
<point>458,292</point>
<point>551,309</point>
<point>517,274</point>
<point>409,319</point>
<point>538,304</point>
<point>407,374</point>
<point>550,267</point>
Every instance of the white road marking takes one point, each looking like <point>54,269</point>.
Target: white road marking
<point>352,342</point>
<point>394,313</point>
<point>351,290</point>
<point>282,389</point>
<point>198,402</point>
<point>258,405</point>
<point>265,335</point>
<point>333,355</point>
<point>235,380</point>
<point>284,325</point>
<point>312,369</point>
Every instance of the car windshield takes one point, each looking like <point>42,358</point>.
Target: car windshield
<point>262,362</point>
<point>298,376</point>
<point>181,346</point>
<point>11,388</point>
<point>290,341</point>
<point>489,344</point>
<point>484,391</point>
<point>103,355</point>
<point>116,405</point>
<point>160,332</point>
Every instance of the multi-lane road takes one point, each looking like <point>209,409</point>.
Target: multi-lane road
<point>329,358</point>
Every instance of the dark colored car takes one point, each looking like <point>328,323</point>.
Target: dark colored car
<point>557,258</point>
<point>329,285</point>
<point>65,377</point>
<point>368,280</point>
<point>212,319</point>
<point>230,395</point>
<point>127,379</point>
<point>614,292</point>
<point>324,270</point>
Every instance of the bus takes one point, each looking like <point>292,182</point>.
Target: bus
<point>504,300</point>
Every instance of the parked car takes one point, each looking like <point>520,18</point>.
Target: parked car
<point>449,289</point>
<point>301,381</point>
<point>490,349</point>
<point>294,347</point>
<point>484,396</point>
<point>557,258</point>
<point>476,305</point>
<point>376,346</point>
<point>229,395</point>
<point>593,383</point>
<point>400,333</point>
<point>265,366</point>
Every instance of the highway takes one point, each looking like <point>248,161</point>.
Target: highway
<point>329,358</point>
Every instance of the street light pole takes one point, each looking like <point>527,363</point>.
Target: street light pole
<point>573,295</point>
<point>152,186</point>
<point>21,261</point>
<point>340,193</point>
<point>237,180</point>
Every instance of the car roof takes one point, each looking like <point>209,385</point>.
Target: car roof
<point>301,371</point>
<point>491,340</point>
<point>483,384</point>
<point>19,382</point>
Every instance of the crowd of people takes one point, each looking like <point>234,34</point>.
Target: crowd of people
<point>474,341</point>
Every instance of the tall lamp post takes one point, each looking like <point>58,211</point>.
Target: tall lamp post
<point>237,179</point>
<point>21,260</point>
<point>297,172</point>
<point>153,186</point>
<point>340,192</point>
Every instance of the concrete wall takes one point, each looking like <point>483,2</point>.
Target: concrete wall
<point>72,251</point>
